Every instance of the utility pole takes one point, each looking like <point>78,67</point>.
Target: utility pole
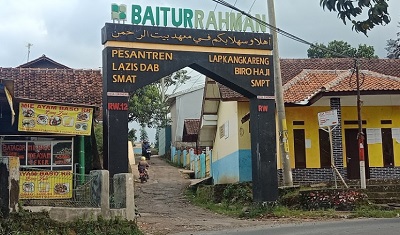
<point>280,104</point>
<point>360,135</point>
<point>163,96</point>
<point>29,50</point>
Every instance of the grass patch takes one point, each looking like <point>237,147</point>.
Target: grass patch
<point>235,200</point>
<point>204,202</point>
<point>27,223</point>
<point>375,212</point>
<point>282,212</point>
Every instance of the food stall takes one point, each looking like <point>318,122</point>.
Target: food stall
<point>46,160</point>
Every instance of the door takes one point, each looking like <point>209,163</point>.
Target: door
<point>352,158</point>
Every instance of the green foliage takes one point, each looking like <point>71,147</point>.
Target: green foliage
<point>201,198</point>
<point>27,223</point>
<point>145,106</point>
<point>157,138</point>
<point>369,211</point>
<point>322,203</point>
<point>290,199</point>
<point>341,48</point>
<point>237,193</point>
<point>143,134</point>
<point>282,211</point>
<point>98,132</point>
<point>132,135</point>
<point>351,9</point>
<point>393,47</point>
<point>176,80</point>
<point>148,105</point>
<point>365,51</point>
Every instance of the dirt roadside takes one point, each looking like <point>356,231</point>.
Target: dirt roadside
<point>165,210</point>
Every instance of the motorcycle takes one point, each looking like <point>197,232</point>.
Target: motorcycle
<point>143,175</point>
<point>148,154</point>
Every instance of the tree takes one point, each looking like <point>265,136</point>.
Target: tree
<point>97,146</point>
<point>351,9</point>
<point>145,105</point>
<point>143,134</point>
<point>157,138</point>
<point>337,48</point>
<point>132,135</point>
<point>148,105</point>
<point>174,81</point>
<point>393,47</point>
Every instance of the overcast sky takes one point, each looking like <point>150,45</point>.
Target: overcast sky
<point>68,31</point>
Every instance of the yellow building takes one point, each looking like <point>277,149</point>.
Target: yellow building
<point>312,86</point>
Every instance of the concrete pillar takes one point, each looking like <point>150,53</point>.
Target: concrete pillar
<point>184,157</point>
<point>337,137</point>
<point>208,161</point>
<point>178,158</point>
<point>100,189</point>
<point>173,152</point>
<point>9,185</point>
<point>124,194</point>
<point>192,160</point>
<point>202,165</point>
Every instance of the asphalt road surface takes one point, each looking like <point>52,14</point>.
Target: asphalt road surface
<point>345,227</point>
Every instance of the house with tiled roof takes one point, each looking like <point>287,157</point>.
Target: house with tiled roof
<point>185,106</point>
<point>190,130</point>
<point>48,115</point>
<point>43,62</point>
<point>312,86</point>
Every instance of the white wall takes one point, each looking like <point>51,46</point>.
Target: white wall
<point>161,142</point>
<point>187,106</point>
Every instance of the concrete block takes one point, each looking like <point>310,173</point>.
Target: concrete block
<point>100,189</point>
<point>124,194</point>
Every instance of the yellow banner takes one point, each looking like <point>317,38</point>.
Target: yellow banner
<point>45,184</point>
<point>10,102</point>
<point>55,119</point>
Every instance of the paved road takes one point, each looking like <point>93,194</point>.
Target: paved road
<point>346,227</point>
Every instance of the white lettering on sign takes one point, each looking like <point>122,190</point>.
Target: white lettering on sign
<point>118,94</point>
<point>328,118</point>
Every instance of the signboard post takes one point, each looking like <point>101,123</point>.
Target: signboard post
<point>329,120</point>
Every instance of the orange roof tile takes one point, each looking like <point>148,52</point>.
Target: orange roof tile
<point>68,86</point>
<point>308,83</point>
<point>298,69</point>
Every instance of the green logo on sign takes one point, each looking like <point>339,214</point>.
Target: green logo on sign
<point>118,13</point>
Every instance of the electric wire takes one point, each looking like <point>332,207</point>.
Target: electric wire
<point>199,76</point>
<point>251,7</point>
<point>224,26</point>
<point>278,30</point>
<point>289,35</point>
<point>215,8</point>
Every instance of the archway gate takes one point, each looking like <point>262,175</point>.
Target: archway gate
<point>135,56</point>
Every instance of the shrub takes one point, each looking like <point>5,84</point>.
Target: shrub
<point>27,223</point>
<point>237,193</point>
<point>338,199</point>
